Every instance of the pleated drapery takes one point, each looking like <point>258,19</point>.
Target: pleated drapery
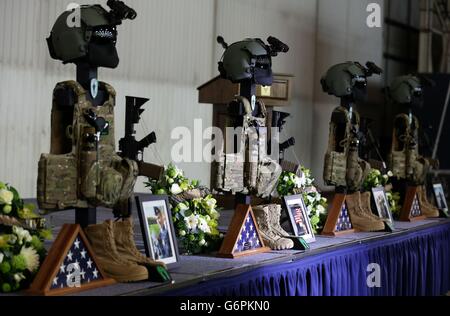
<point>414,264</point>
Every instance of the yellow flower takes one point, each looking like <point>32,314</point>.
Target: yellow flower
<point>4,241</point>
<point>6,197</point>
<point>31,258</point>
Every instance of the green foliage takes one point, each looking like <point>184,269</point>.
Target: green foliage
<point>375,179</point>
<point>5,267</point>
<point>6,288</point>
<point>172,182</point>
<point>18,263</point>
<point>394,201</point>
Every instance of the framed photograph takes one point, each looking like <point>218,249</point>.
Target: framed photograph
<point>299,219</point>
<point>157,229</point>
<point>382,204</point>
<point>441,201</point>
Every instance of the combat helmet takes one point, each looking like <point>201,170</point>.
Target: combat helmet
<point>345,79</point>
<point>91,37</point>
<point>406,90</point>
<point>250,59</point>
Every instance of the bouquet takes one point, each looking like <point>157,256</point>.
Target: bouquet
<point>290,184</point>
<point>195,215</point>
<point>21,241</point>
<point>375,179</point>
<point>196,222</point>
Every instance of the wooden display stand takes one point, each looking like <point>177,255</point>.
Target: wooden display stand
<point>69,267</point>
<point>411,210</point>
<point>243,237</point>
<point>338,220</point>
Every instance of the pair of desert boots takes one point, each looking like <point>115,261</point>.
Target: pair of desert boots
<point>268,220</point>
<point>361,215</point>
<point>116,252</point>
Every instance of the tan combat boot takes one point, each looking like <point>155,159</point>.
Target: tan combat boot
<point>275,213</point>
<point>126,247</point>
<point>426,207</point>
<point>269,236</point>
<point>360,220</point>
<point>365,199</point>
<point>102,241</point>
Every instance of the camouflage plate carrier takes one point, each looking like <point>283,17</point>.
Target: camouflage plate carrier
<point>343,167</point>
<point>78,172</point>
<point>404,159</point>
<point>250,170</point>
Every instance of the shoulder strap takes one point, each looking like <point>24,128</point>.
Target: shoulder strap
<point>111,92</point>
<point>76,88</point>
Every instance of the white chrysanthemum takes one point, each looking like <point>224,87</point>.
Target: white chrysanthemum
<point>6,197</point>
<point>202,242</point>
<point>175,189</point>
<point>286,179</point>
<point>22,234</point>
<point>31,258</point>
<point>390,174</point>
<point>191,222</point>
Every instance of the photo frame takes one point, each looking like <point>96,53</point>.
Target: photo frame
<point>298,214</point>
<point>382,204</point>
<point>158,232</point>
<point>439,195</point>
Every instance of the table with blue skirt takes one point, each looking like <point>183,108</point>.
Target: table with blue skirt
<point>412,260</point>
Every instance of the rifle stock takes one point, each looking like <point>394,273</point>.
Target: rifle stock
<point>150,170</point>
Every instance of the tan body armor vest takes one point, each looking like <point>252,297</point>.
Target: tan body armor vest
<point>404,160</point>
<point>343,167</point>
<point>77,173</point>
<point>251,170</point>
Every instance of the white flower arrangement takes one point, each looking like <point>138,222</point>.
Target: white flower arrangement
<point>290,184</point>
<point>195,220</point>
<point>21,250</point>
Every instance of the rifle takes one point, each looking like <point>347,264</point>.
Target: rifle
<point>131,148</point>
